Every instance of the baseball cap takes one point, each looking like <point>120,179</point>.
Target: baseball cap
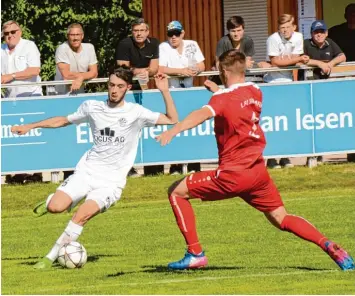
<point>175,26</point>
<point>318,25</point>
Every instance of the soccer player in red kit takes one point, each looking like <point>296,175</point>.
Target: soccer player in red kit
<point>241,170</point>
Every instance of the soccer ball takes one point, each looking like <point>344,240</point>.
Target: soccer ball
<point>72,255</point>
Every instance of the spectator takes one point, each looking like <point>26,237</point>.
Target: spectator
<point>75,60</point>
<point>344,36</point>
<point>284,48</point>
<point>323,53</point>
<point>236,39</point>
<point>139,52</point>
<point>180,57</point>
<point>20,62</point>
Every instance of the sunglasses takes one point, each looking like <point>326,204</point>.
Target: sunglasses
<point>174,33</point>
<point>13,32</point>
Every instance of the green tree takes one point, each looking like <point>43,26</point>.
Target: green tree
<point>105,23</point>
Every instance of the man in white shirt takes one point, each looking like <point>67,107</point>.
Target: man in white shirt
<point>284,48</point>
<point>101,173</point>
<point>180,57</point>
<point>20,62</point>
<point>75,61</point>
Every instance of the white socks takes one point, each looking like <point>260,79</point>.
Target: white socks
<point>70,234</point>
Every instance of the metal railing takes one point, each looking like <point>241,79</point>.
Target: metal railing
<point>249,72</point>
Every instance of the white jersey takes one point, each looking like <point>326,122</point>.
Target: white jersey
<point>116,134</point>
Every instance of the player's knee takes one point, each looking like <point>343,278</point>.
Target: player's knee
<point>56,207</point>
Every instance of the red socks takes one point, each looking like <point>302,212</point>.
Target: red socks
<point>185,219</point>
<point>303,229</point>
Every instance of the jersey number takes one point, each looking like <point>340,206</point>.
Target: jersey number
<point>254,128</point>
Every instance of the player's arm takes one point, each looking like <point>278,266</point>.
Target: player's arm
<point>193,119</point>
<point>54,122</point>
<point>171,116</point>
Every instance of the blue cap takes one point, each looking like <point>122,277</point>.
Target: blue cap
<point>175,26</point>
<point>318,25</point>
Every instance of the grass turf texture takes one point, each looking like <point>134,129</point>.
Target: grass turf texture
<point>129,246</point>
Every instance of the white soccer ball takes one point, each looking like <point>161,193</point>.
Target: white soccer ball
<point>72,255</point>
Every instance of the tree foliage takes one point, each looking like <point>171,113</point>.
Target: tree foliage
<point>45,22</point>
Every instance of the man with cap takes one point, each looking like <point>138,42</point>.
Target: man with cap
<point>184,58</point>
<point>180,57</point>
<point>323,53</point>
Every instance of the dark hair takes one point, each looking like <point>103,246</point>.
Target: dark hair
<point>349,7</point>
<point>235,22</point>
<point>123,72</point>
<point>232,60</point>
<point>139,21</point>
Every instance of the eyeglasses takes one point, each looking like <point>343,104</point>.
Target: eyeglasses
<point>174,33</point>
<point>13,32</point>
<point>139,31</point>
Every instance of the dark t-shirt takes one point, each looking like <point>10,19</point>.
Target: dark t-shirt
<point>127,50</point>
<point>345,38</point>
<point>329,51</point>
<point>246,45</point>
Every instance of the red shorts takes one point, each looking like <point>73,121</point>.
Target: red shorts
<point>253,185</point>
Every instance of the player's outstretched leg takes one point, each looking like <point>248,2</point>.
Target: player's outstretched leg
<point>305,230</point>
<point>185,219</point>
<point>71,233</point>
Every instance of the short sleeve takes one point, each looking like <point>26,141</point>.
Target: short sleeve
<point>272,47</point>
<point>163,55</point>
<point>93,58</point>
<point>34,56</point>
<point>61,55</point>
<point>198,55</point>
<point>298,44</point>
<point>220,47</point>
<point>155,43</point>
<point>81,115</point>
<point>147,117</point>
<point>215,104</point>
<point>249,49</point>
<point>123,51</point>
<point>336,49</point>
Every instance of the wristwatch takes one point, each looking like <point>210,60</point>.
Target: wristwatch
<point>13,75</point>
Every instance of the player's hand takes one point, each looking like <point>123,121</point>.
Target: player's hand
<point>165,138</point>
<point>20,129</point>
<point>161,81</point>
<point>76,84</point>
<point>211,86</point>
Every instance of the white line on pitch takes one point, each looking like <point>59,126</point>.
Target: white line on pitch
<point>22,144</point>
<point>23,114</point>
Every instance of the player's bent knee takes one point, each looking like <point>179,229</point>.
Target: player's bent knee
<point>59,202</point>
<point>56,207</point>
<point>178,188</point>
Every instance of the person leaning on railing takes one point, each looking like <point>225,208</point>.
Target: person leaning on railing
<point>284,48</point>
<point>324,53</point>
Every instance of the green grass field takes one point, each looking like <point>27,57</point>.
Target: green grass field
<point>130,245</point>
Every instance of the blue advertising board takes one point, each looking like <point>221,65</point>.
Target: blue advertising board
<point>299,119</point>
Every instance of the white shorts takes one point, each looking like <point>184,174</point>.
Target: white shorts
<point>80,184</point>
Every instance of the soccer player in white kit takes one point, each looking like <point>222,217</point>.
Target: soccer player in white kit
<point>101,173</point>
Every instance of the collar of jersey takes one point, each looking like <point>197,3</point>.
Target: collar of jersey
<point>234,86</point>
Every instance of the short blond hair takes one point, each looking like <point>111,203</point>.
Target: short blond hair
<point>75,25</point>
<point>9,23</point>
<point>285,18</point>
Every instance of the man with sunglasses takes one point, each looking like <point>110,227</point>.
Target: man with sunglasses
<point>20,62</point>
<point>180,57</point>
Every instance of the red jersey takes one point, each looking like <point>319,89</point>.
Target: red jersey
<point>240,139</point>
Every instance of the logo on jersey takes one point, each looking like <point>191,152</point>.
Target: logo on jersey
<point>107,137</point>
<point>122,122</point>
